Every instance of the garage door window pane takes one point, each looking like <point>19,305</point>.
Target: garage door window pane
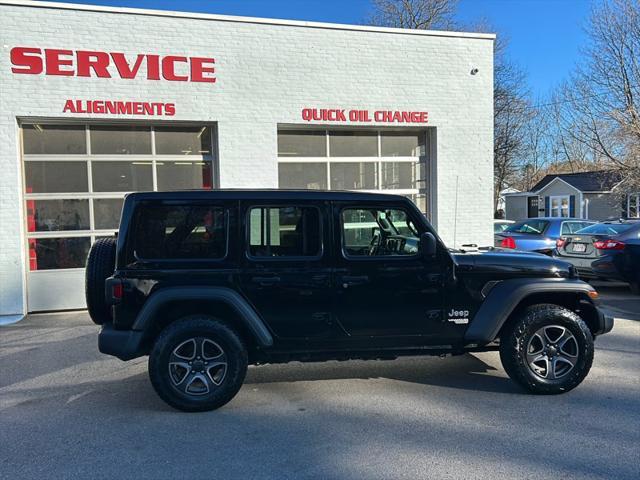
<point>302,143</point>
<point>311,176</point>
<point>106,212</point>
<point>354,176</point>
<point>396,175</point>
<point>120,140</point>
<point>183,175</point>
<point>55,177</point>
<point>122,176</point>
<point>55,215</point>
<point>420,201</point>
<point>183,140</point>
<point>353,144</point>
<point>54,139</point>
<point>56,253</point>
<point>401,144</point>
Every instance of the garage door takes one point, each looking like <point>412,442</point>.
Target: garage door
<point>387,160</point>
<point>75,179</point>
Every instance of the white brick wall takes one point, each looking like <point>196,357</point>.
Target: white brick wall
<point>265,75</point>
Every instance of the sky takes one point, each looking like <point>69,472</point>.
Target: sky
<point>544,36</point>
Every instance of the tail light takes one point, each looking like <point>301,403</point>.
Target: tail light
<point>508,242</point>
<point>609,245</point>
<point>561,242</point>
<point>114,290</point>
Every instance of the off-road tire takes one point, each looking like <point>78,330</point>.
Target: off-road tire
<point>516,337</point>
<point>101,263</point>
<point>182,331</point>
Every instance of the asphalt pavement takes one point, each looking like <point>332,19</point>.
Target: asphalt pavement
<point>68,412</point>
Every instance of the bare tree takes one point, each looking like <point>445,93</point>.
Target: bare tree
<point>416,14</point>
<point>599,107</point>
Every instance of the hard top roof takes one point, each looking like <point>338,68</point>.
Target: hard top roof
<point>268,194</point>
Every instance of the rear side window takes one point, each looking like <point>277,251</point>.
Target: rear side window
<point>284,231</point>
<point>165,232</point>
<point>606,228</point>
<point>572,227</point>
<point>535,227</point>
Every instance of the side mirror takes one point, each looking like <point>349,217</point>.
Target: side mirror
<point>428,245</point>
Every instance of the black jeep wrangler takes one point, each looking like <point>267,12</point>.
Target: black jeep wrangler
<point>207,282</point>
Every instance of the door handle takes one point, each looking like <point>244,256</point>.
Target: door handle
<point>351,280</point>
<point>266,280</point>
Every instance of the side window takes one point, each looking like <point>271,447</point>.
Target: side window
<point>373,232</point>
<point>572,227</point>
<point>180,232</point>
<point>284,231</point>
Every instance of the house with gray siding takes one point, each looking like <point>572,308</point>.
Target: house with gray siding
<point>589,195</point>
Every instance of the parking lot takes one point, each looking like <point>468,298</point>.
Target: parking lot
<point>68,412</point>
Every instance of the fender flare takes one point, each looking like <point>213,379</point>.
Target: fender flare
<point>158,300</point>
<point>504,298</point>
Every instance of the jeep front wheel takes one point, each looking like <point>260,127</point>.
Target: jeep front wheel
<point>547,349</point>
<point>197,363</point>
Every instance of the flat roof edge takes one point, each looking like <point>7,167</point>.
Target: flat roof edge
<point>238,19</point>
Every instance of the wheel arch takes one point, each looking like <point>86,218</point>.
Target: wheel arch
<point>169,304</point>
<point>509,297</point>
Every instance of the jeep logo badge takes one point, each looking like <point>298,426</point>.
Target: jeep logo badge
<point>460,317</point>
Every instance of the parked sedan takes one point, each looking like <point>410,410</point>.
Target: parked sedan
<point>583,247</point>
<point>538,234</point>
<point>620,258</point>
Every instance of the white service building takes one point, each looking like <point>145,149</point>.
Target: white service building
<point>96,102</point>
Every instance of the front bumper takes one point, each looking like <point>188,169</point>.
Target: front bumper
<point>605,323</point>
<point>124,344</point>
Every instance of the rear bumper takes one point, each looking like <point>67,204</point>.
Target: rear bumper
<point>124,344</point>
<point>605,323</point>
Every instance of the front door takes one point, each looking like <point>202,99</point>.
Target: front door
<point>286,273</point>
<point>532,207</point>
<point>384,286</point>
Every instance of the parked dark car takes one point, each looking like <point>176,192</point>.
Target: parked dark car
<point>538,234</point>
<point>209,282</point>
<point>581,248</point>
<point>619,258</point>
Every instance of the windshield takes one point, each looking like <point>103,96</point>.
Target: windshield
<point>606,228</point>
<point>534,227</point>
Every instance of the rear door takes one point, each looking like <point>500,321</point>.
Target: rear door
<point>532,206</point>
<point>286,272</point>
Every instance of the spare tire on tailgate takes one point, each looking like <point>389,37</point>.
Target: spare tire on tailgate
<point>101,263</point>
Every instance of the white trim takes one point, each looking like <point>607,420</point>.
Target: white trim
<point>238,19</point>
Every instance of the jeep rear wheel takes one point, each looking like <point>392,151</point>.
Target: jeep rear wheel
<point>197,363</point>
<point>547,349</point>
<point>101,263</point>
